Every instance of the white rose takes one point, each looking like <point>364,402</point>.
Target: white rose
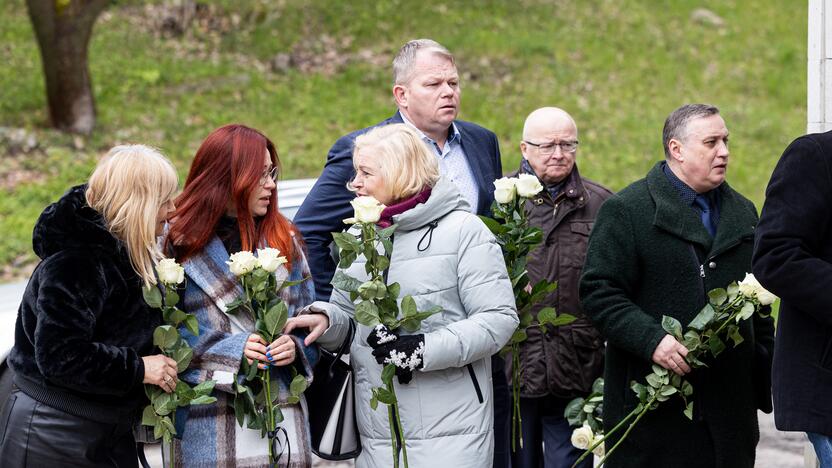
<point>582,437</point>
<point>169,271</point>
<point>367,209</point>
<point>269,259</point>
<point>504,190</point>
<point>528,185</point>
<point>750,287</point>
<point>599,450</point>
<point>241,263</point>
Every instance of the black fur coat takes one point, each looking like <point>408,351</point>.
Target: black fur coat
<point>83,325</point>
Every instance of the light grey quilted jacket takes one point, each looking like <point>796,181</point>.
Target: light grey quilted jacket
<point>446,410</point>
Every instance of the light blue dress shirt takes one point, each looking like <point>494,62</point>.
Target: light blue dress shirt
<point>453,163</point>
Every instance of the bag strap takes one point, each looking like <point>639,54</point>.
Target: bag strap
<point>343,349</point>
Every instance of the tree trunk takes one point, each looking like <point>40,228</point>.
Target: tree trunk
<point>63,29</point>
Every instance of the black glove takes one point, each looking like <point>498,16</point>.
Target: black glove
<point>381,335</point>
<point>405,352</point>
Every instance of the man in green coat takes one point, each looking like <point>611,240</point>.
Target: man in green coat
<point>657,248</point>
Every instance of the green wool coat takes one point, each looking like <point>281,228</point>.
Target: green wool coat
<point>649,255</point>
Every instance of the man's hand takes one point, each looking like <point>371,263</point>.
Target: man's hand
<point>670,354</point>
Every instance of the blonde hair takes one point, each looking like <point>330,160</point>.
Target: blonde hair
<point>406,58</point>
<point>128,187</point>
<point>406,164</point>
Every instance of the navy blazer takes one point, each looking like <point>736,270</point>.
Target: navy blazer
<point>328,204</point>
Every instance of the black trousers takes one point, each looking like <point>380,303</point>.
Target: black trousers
<point>34,435</point>
<point>502,413</point>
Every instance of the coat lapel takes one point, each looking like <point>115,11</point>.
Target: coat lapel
<point>671,214</point>
<point>209,271</point>
<point>474,154</point>
<point>734,222</point>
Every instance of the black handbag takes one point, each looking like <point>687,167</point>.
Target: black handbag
<point>331,402</point>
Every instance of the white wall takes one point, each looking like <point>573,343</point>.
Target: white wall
<point>819,92</point>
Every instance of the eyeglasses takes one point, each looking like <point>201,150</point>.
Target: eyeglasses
<point>268,174</point>
<point>548,149</point>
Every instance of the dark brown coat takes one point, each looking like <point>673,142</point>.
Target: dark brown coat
<point>564,361</point>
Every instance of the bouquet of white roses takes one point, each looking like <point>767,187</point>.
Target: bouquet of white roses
<point>160,414</point>
<point>510,225</point>
<point>707,334</point>
<point>256,393</point>
<point>378,307</point>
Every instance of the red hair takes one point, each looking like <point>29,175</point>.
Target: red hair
<point>226,169</point>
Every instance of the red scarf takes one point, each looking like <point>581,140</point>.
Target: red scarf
<point>386,218</point>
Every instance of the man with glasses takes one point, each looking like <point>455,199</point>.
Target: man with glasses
<point>557,364</point>
<point>657,248</point>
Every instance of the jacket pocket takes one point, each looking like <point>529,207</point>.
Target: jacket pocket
<point>6,415</point>
<point>588,354</point>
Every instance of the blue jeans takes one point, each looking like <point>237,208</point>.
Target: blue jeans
<point>823,448</point>
<point>546,436</point>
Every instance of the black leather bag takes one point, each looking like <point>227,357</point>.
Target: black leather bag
<point>331,401</point>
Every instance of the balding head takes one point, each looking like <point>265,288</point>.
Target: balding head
<point>546,133</point>
<point>545,119</point>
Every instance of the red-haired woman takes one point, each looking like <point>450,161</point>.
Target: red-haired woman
<point>229,204</point>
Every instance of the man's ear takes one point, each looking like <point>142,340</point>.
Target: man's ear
<point>674,146</point>
<point>523,148</point>
<point>400,95</point>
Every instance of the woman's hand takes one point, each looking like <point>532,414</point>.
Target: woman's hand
<point>160,370</point>
<point>316,323</point>
<point>282,351</point>
<point>255,350</point>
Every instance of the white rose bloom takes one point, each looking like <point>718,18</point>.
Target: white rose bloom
<point>241,263</point>
<point>367,209</point>
<point>528,185</point>
<point>750,287</point>
<point>582,437</point>
<point>169,271</point>
<point>504,190</point>
<point>599,450</point>
<point>270,259</point>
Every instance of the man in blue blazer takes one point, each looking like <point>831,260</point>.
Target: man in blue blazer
<point>427,92</point>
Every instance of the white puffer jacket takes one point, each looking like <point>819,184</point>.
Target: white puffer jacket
<point>446,410</point>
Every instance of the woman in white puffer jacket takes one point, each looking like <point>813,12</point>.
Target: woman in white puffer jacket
<point>442,255</point>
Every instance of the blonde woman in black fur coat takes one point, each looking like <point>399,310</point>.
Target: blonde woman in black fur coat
<point>83,338</point>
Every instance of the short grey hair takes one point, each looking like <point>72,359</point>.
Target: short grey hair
<point>676,124</point>
<point>403,62</point>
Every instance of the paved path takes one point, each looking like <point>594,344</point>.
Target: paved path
<point>776,449</point>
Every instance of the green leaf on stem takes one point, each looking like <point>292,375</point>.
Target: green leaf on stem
<point>278,414</point>
<point>572,412</point>
<point>173,316</point>
<point>494,226</point>
<point>346,242</point>
<point>366,313</point>
<point>410,324</point>
<point>347,259</point>
<point>205,388</point>
<point>162,404</point>
<point>274,319</point>
<point>165,336</point>
<point>734,335</point>
<point>733,289</point>
<point>382,262</point>
<point>717,297</point>
<point>385,396</point>
<point>239,409</point>
<point>667,390</point>
<point>374,402</point>
<point>191,324</point>
<point>251,370</point>
<point>716,345</point>
<point>409,307</point>
<point>298,385</point>
<point>519,336</point>
<point>598,386</point>
<point>672,326</point>
<point>292,400</point>
<point>171,298</point>
<point>182,356</point>
<point>654,380</point>
<point>152,296</point>
<point>231,307</point>
<point>393,290</point>
<point>691,340</point>
<point>689,411</point>
<point>345,282</point>
<point>386,232</point>
<point>203,400</point>
<point>687,389</point>
<point>703,318</point>
<point>746,312</point>
<point>149,416</point>
<point>659,370</point>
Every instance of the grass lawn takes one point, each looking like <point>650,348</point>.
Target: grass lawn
<point>619,66</point>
